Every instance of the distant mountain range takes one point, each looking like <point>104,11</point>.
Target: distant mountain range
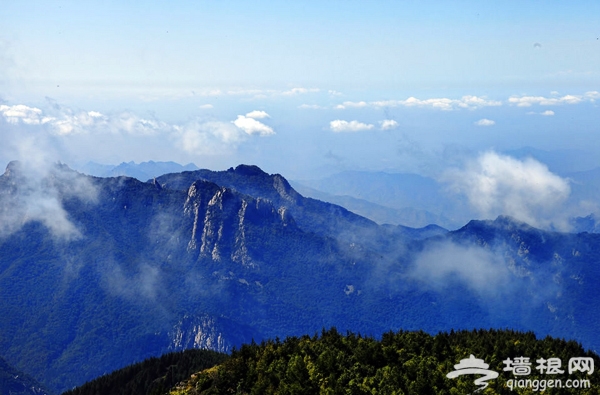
<point>97,273</point>
<point>415,200</point>
<point>142,171</point>
<point>381,214</point>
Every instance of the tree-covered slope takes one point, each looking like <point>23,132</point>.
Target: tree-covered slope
<point>411,363</point>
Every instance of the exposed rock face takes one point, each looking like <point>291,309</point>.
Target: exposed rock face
<point>221,219</point>
<point>198,332</point>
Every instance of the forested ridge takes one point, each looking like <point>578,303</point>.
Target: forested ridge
<point>399,363</point>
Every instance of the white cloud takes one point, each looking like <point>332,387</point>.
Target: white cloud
<point>256,114</point>
<point>299,91</point>
<point>446,104</point>
<point>528,101</point>
<point>350,104</point>
<point>25,114</point>
<point>388,124</point>
<point>65,121</point>
<point>206,106</point>
<point>592,95</point>
<point>311,107</point>
<point>339,125</point>
<point>254,93</point>
<point>252,126</point>
<point>334,93</point>
<point>547,113</point>
<point>485,122</point>
<point>501,185</point>
<point>207,138</point>
<point>74,135</point>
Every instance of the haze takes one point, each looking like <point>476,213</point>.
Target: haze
<point>303,89</point>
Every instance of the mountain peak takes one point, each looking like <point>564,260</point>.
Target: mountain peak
<point>13,167</point>
<point>249,170</point>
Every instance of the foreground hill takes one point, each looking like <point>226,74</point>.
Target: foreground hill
<point>412,363</point>
<point>99,273</point>
<point>154,376</point>
<point>402,362</point>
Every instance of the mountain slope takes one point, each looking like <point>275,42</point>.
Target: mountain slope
<point>99,273</point>
<point>139,269</point>
<point>311,215</point>
<point>14,382</point>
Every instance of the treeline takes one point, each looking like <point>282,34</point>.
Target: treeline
<point>154,376</point>
<point>400,363</point>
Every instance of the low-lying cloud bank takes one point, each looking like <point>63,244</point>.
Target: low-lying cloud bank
<point>444,264</point>
<point>496,184</point>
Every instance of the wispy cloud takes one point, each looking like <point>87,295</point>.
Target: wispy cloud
<point>528,101</point>
<point>446,104</point>
<point>238,92</point>
<point>39,189</point>
<point>207,138</point>
<point>547,113</point>
<point>311,107</point>
<point>300,91</point>
<point>592,95</point>
<point>470,102</point>
<point>485,122</point>
<point>441,264</point>
<point>339,126</point>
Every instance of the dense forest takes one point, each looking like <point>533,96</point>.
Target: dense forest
<point>399,363</point>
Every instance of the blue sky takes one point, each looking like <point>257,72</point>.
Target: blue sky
<point>299,88</point>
